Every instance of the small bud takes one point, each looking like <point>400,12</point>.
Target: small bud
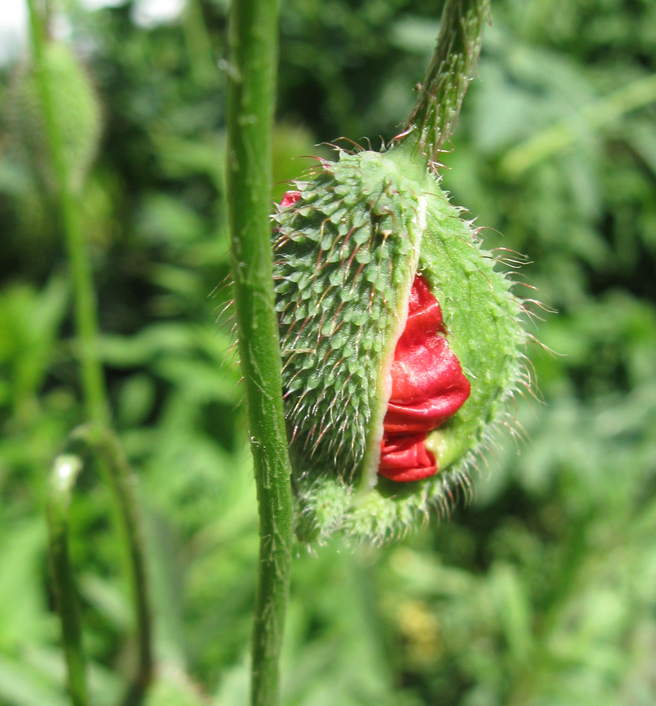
<point>76,112</point>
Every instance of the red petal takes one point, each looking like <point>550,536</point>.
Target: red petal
<point>405,458</point>
<point>428,387</point>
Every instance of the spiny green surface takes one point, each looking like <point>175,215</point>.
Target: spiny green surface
<point>76,108</point>
<point>347,254</point>
<point>345,258</point>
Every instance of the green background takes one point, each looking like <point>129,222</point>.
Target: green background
<point>542,589</point>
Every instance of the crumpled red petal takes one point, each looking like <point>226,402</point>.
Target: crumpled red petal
<point>405,458</point>
<point>428,387</point>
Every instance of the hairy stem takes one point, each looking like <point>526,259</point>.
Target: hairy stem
<point>86,322</point>
<point>97,442</point>
<point>251,87</point>
<point>452,67</point>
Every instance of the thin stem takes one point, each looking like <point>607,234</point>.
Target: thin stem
<point>108,448</point>
<point>86,323</point>
<point>251,87</point>
<point>199,47</point>
<point>102,444</point>
<point>452,67</point>
<point>64,473</point>
<point>98,437</point>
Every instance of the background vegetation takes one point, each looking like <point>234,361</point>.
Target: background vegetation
<point>538,592</point>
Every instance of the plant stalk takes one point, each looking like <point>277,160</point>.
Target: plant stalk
<point>64,474</point>
<point>97,442</point>
<point>98,437</point>
<point>199,47</point>
<point>449,73</point>
<point>251,90</point>
<point>86,323</point>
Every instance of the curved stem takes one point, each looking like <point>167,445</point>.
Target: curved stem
<point>251,86</point>
<point>86,323</point>
<point>452,67</point>
<point>98,437</point>
<point>99,442</point>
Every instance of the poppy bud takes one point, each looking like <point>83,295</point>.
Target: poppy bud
<point>76,112</point>
<point>400,343</point>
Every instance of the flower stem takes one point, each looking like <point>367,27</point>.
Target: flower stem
<point>251,88</point>
<point>452,67</point>
<point>101,443</point>
<point>99,438</point>
<point>65,471</point>
<point>199,47</point>
<point>86,323</point>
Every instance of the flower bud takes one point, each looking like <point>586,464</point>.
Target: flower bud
<point>76,113</point>
<point>400,343</point>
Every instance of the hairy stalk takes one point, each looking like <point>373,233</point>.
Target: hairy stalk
<point>97,442</point>
<point>251,87</point>
<point>86,322</point>
<point>101,440</point>
<point>452,67</point>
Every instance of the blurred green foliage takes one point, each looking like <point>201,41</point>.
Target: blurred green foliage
<point>539,592</point>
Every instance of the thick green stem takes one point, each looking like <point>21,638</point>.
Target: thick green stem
<point>452,67</point>
<point>251,81</point>
<point>86,323</point>
<point>102,444</point>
